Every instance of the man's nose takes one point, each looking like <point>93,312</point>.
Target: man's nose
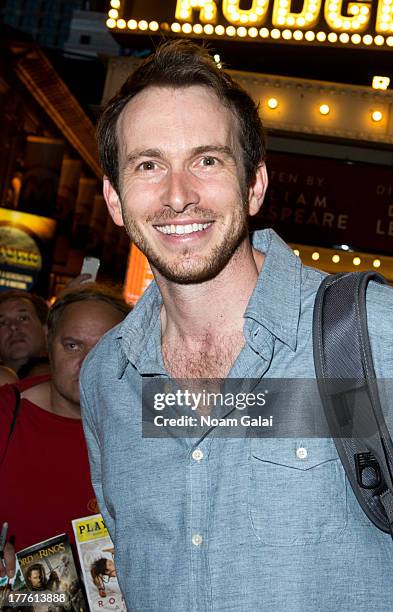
<point>83,354</point>
<point>81,358</point>
<point>180,192</point>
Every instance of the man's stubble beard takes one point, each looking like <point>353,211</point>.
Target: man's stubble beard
<point>185,270</point>
<point>70,395</point>
<point>72,399</point>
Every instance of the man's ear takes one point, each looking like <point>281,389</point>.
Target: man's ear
<point>113,202</point>
<point>257,190</point>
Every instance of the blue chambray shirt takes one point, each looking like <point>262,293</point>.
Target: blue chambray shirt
<point>246,524</point>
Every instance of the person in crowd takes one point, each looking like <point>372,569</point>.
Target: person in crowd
<point>23,332</point>
<point>44,470</point>
<point>212,523</point>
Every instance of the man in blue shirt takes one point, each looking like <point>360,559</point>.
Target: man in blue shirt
<point>215,522</point>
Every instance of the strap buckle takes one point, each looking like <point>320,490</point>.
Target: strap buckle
<point>368,472</point>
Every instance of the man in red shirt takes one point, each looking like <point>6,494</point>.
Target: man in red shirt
<point>44,470</point>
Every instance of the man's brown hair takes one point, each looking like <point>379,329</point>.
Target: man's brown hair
<point>179,64</point>
<point>40,306</point>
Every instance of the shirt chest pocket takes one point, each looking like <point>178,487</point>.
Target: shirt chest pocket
<point>296,491</point>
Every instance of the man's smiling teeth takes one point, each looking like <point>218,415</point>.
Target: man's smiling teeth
<point>182,229</point>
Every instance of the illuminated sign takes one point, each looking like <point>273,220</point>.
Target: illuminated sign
<point>341,22</point>
<point>329,202</point>
<point>25,246</point>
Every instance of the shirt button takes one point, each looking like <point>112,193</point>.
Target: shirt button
<point>301,453</point>
<point>197,454</point>
<point>197,539</point>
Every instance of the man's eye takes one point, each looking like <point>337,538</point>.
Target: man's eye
<point>71,346</point>
<point>209,161</point>
<point>23,317</point>
<point>147,165</point>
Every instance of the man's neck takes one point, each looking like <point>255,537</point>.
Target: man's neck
<point>197,313</point>
<point>46,397</point>
<point>62,406</point>
<point>15,364</point>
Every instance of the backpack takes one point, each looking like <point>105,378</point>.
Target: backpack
<point>348,389</point>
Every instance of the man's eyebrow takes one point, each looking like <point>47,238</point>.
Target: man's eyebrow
<point>158,154</point>
<point>134,155</point>
<point>224,150</point>
<point>71,339</point>
<point>22,309</point>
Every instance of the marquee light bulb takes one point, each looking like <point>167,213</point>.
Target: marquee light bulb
<point>272,103</point>
<point>334,17</point>
<point>238,16</point>
<point>380,82</point>
<point>207,10</point>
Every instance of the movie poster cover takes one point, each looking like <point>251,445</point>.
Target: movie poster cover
<point>48,569</point>
<point>95,550</point>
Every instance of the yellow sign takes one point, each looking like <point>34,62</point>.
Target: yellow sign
<point>90,528</point>
<point>364,23</point>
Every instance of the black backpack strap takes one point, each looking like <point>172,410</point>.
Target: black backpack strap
<point>16,412</point>
<point>349,393</point>
<point>13,422</point>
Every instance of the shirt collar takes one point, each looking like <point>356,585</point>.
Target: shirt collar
<point>140,334</point>
<point>275,301</point>
<point>274,304</point>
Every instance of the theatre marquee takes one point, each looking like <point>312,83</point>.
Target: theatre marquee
<point>319,22</point>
